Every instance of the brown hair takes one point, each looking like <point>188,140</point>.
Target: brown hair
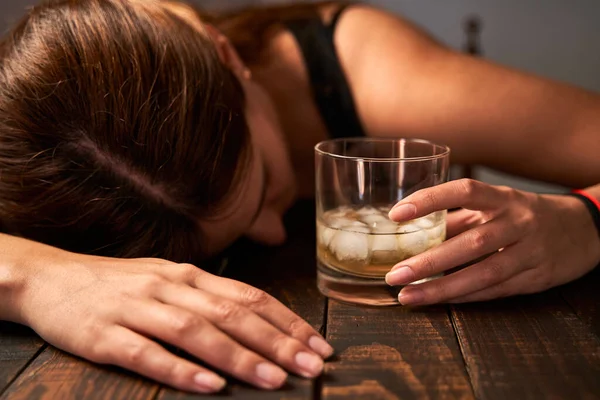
<point>250,28</point>
<point>119,129</point>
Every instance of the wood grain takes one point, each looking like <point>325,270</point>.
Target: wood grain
<point>288,273</point>
<point>528,347</point>
<point>57,375</point>
<point>393,353</point>
<point>583,296</point>
<point>18,346</point>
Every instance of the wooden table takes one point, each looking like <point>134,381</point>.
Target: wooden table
<point>545,346</point>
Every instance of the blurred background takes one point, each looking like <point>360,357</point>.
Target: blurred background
<point>553,38</point>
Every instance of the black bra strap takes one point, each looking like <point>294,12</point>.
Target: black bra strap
<point>330,87</point>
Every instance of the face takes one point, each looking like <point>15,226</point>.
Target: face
<point>269,189</point>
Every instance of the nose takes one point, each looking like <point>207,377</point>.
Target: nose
<point>268,229</point>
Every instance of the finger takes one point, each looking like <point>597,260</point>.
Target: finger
<point>200,338</point>
<point>486,274</point>
<point>268,308</point>
<point>518,284</point>
<point>461,221</point>
<point>466,247</point>
<point>465,193</point>
<point>246,327</point>
<point>158,261</point>
<point>134,352</point>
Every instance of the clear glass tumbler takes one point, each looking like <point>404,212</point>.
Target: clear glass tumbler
<point>358,180</point>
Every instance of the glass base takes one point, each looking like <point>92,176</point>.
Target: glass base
<point>355,289</point>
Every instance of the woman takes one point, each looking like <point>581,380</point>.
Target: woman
<point>135,128</point>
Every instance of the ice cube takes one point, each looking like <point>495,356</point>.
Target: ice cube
<point>350,246</point>
<point>425,222</point>
<point>438,231</point>
<point>407,228</point>
<point>383,243</point>
<point>336,219</point>
<point>435,242</point>
<point>325,234</point>
<point>413,243</point>
<point>340,212</point>
<point>384,249</point>
<point>379,223</point>
<point>367,210</point>
<point>371,219</point>
<point>385,257</point>
<point>355,226</point>
<point>340,221</point>
<point>384,210</point>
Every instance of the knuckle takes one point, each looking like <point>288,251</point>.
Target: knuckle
<point>175,373</point>
<point>182,323</point>
<point>134,353</point>
<point>428,266</point>
<point>254,298</point>
<point>98,352</point>
<point>529,220</point>
<point>438,292</point>
<point>492,273</point>
<point>91,343</point>
<point>227,311</point>
<point>467,186</point>
<point>280,343</point>
<point>150,283</point>
<point>507,190</point>
<point>481,239</point>
<point>295,326</point>
<point>430,199</point>
<point>240,363</point>
<point>187,272</point>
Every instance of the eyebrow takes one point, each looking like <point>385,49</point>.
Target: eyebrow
<point>263,194</point>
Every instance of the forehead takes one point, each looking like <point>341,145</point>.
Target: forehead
<point>240,212</point>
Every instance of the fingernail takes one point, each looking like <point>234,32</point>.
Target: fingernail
<point>209,383</point>
<point>403,212</point>
<point>400,276</point>
<point>271,376</point>
<point>310,364</point>
<point>319,345</point>
<point>411,296</point>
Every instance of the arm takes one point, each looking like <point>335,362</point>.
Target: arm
<point>109,310</point>
<point>487,114</point>
<point>12,279</point>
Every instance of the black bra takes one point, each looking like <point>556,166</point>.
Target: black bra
<point>329,85</point>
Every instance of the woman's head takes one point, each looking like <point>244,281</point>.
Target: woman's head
<point>122,132</point>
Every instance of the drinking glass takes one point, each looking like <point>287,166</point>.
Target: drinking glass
<point>358,180</point>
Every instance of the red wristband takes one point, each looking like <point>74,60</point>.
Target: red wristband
<point>588,196</point>
<point>591,203</point>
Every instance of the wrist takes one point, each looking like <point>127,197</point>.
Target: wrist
<point>587,214</point>
<point>12,281</point>
<point>21,260</point>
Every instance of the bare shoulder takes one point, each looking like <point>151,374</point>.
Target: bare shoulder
<point>385,56</point>
<point>370,41</point>
<point>363,27</point>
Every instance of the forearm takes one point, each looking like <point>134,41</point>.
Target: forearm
<point>525,125</point>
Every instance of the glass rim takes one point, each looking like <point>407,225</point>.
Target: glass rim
<point>444,153</point>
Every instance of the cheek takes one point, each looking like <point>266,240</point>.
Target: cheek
<point>268,229</point>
